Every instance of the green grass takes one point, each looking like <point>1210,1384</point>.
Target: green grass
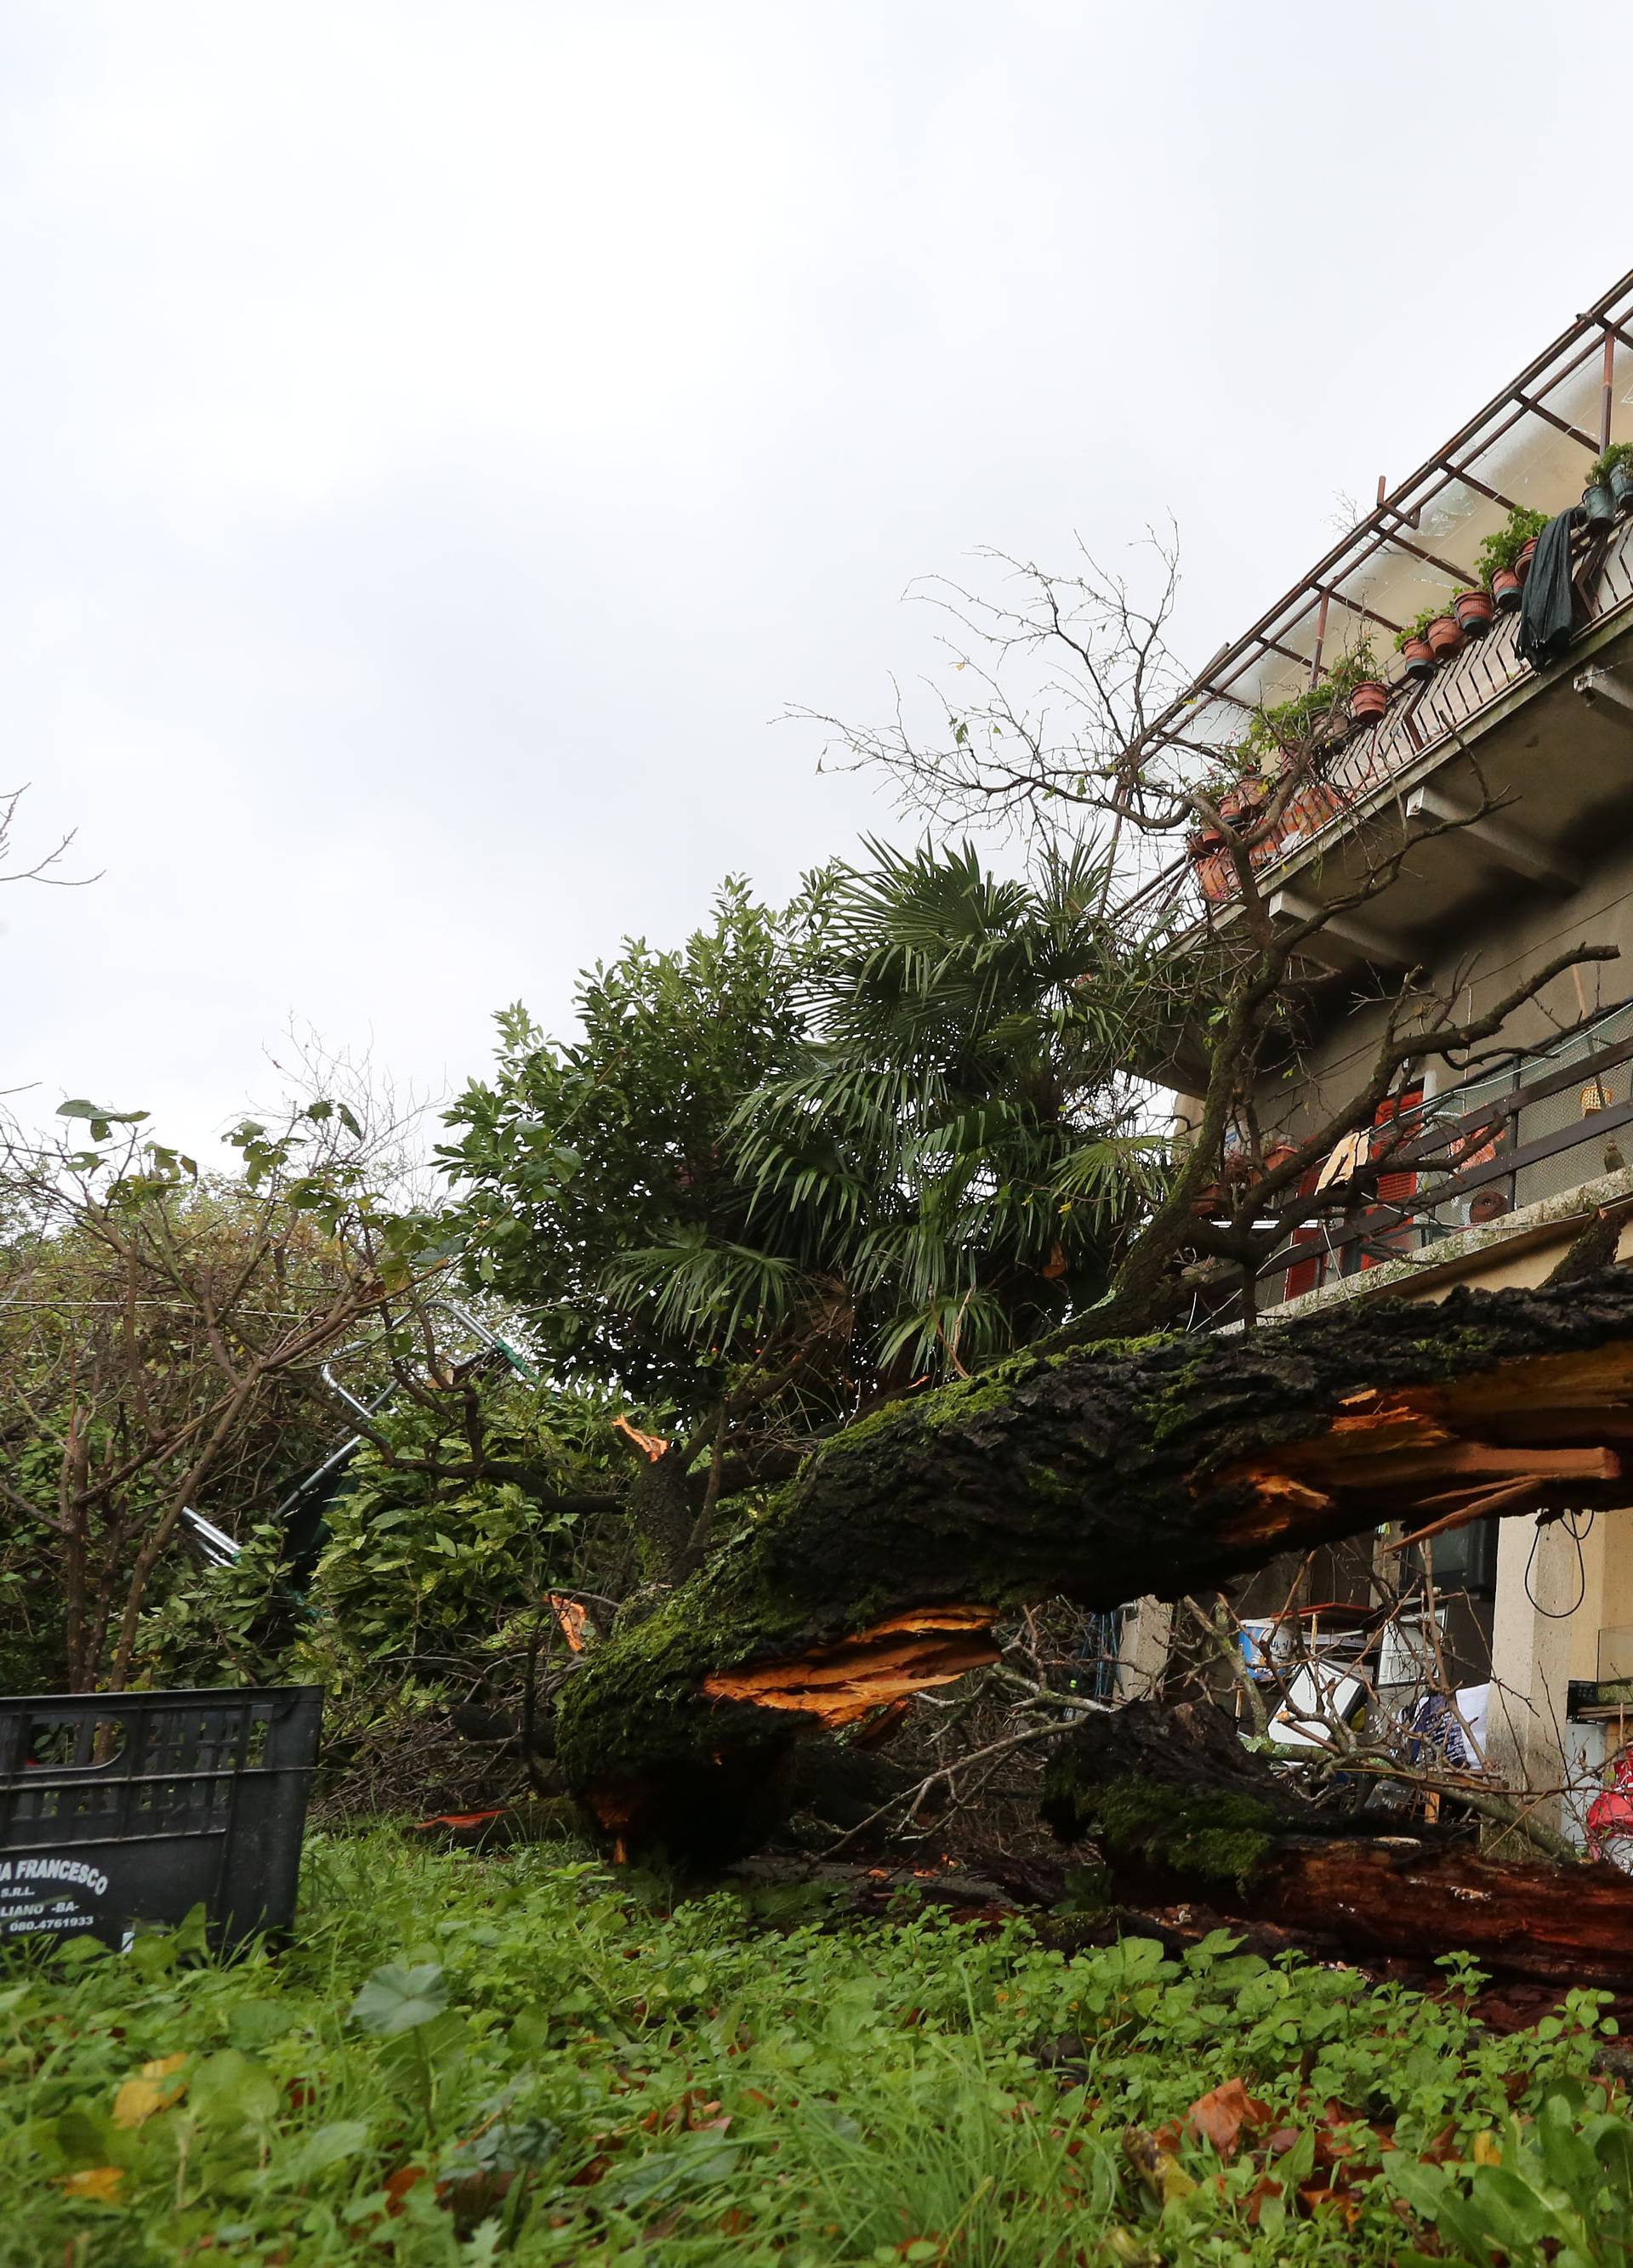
<point>525,2058</point>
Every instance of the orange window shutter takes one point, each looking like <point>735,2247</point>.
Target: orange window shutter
<point>1305,1275</point>
<point>1396,1189</point>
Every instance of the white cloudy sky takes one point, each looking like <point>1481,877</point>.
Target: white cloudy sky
<point>441,438</point>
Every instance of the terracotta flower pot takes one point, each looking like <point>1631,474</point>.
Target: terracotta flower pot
<point>1215,877</point>
<point>1203,840</point>
<point>1368,701</point>
<point>1527,553</point>
<point>1506,590</point>
<point>1238,806</point>
<point>1445,637</point>
<point>1474,611</point>
<point>1419,657</point>
<point>1304,815</point>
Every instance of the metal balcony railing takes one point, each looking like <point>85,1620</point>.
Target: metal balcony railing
<point>1474,1154</point>
<point>1423,716</point>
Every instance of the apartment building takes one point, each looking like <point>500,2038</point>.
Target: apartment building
<point>1500,1167</point>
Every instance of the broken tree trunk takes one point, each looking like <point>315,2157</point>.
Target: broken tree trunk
<point>1164,1465</point>
<point>1180,1809</point>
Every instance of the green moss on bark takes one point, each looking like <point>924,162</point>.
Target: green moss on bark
<point>1093,1471</point>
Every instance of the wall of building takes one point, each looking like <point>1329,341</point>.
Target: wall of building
<point>1518,932</point>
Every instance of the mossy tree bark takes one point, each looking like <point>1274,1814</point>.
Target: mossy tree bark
<point>1162,1465</point>
<point>1181,1811</point>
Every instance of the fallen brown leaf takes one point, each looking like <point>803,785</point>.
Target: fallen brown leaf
<point>1220,2116</point>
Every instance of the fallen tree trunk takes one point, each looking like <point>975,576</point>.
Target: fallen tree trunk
<point>1159,1465</point>
<point>1180,1809</point>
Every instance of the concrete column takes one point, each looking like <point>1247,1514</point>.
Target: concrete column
<point>1142,1654</point>
<point>1545,1631</point>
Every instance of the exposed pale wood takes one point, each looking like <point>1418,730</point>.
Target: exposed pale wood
<point>841,1684</point>
<point>1481,1507</point>
<point>1382,1444</point>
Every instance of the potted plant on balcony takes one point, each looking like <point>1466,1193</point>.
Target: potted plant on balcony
<point>1444,635</point>
<point>1319,713</point>
<point>1506,557</point>
<point>1238,802</point>
<point>1368,700</point>
<point>1216,875</point>
<point>1615,471</point>
<point>1413,647</point>
<point>1474,612</point>
<point>1598,502</point>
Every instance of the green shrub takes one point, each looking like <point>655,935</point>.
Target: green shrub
<point>1503,550</point>
<point>1290,723</point>
<point>526,2058</point>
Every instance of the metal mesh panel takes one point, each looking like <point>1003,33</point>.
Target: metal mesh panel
<point>1574,1105</point>
<point>1442,1110</point>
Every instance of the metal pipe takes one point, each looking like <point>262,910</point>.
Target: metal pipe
<point>1605,391</point>
<point>1564,424</point>
<point>1320,638</point>
<point>1461,576</point>
<point>1495,496</point>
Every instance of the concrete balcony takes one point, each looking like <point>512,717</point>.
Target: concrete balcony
<point>1547,758</point>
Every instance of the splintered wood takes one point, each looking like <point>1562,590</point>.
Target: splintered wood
<point>1531,1435</point>
<point>841,1684</point>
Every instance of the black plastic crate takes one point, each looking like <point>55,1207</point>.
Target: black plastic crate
<point>117,1808</point>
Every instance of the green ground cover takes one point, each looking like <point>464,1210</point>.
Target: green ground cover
<point>469,2058</point>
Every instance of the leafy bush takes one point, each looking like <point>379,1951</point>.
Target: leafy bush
<point>1418,627</point>
<point>414,1565</point>
<point>465,2059</point>
<point>1503,550</point>
<point>1291,723</point>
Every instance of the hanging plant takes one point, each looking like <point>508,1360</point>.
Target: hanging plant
<point>1368,701</point>
<point>1291,726</point>
<point>1598,503</point>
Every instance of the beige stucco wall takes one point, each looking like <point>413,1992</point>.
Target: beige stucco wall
<point>1555,1590</point>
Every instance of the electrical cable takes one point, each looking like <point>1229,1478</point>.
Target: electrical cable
<point>1577,1536</point>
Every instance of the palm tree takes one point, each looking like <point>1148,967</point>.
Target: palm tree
<point>962,1148</point>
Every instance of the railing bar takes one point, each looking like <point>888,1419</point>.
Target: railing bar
<point>1456,1185</point>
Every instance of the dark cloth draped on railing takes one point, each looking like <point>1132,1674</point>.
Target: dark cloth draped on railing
<point>1547,612</point>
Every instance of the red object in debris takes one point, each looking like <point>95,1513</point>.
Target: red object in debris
<point>571,1617</point>
<point>458,1819</point>
<point>1610,1815</point>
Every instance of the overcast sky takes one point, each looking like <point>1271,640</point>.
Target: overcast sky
<point>442,439</point>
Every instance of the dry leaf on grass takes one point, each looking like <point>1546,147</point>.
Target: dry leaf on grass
<point>98,2182</point>
<point>139,2098</point>
<point>1219,2117</point>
